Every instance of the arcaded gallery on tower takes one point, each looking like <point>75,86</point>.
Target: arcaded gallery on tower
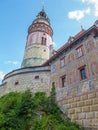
<point>72,69</point>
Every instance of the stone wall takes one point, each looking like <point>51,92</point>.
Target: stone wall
<point>82,108</point>
<point>34,78</point>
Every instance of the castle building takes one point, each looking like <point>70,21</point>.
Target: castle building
<point>72,69</point>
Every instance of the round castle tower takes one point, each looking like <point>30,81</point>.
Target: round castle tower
<point>39,41</point>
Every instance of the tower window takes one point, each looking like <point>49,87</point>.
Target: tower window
<point>43,41</point>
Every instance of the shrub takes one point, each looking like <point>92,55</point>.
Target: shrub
<point>27,111</point>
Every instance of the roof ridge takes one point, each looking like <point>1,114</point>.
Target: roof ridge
<point>75,37</point>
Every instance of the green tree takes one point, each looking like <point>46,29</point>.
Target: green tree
<point>28,111</point>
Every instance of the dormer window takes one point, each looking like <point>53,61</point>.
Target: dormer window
<point>70,39</point>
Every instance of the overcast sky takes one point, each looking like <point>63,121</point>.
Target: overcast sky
<point>66,17</point>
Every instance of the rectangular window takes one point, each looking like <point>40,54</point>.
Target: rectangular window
<point>43,41</point>
<point>36,77</point>
<point>63,81</point>
<point>16,83</point>
<point>53,68</point>
<point>79,51</point>
<point>62,62</point>
<point>83,73</point>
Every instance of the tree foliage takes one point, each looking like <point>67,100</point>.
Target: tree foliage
<point>28,111</point>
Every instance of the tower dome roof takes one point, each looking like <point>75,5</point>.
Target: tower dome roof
<point>42,15</point>
<point>41,23</point>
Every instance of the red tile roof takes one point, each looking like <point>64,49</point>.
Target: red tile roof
<point>79,34</point>
<point>75,37</point>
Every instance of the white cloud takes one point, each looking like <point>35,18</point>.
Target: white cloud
<point>12,62</point>
<point>78,14</point>
<point>1,75</point>
<point>54,44</point>
<point>95,3</point>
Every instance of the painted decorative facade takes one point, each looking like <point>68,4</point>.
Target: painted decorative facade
<point>73,69</point>
<point>75,76</point>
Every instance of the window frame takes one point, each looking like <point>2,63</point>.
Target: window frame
<point>44,40</point>
<point>79,53</point>
<point>16,83</point>
<point>53,68</point>
<point>83,76</point>
<point>62,59</point>
<point>63,83</point>
<point>36,77</point>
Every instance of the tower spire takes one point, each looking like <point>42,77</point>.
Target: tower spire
<point>42,4</point>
